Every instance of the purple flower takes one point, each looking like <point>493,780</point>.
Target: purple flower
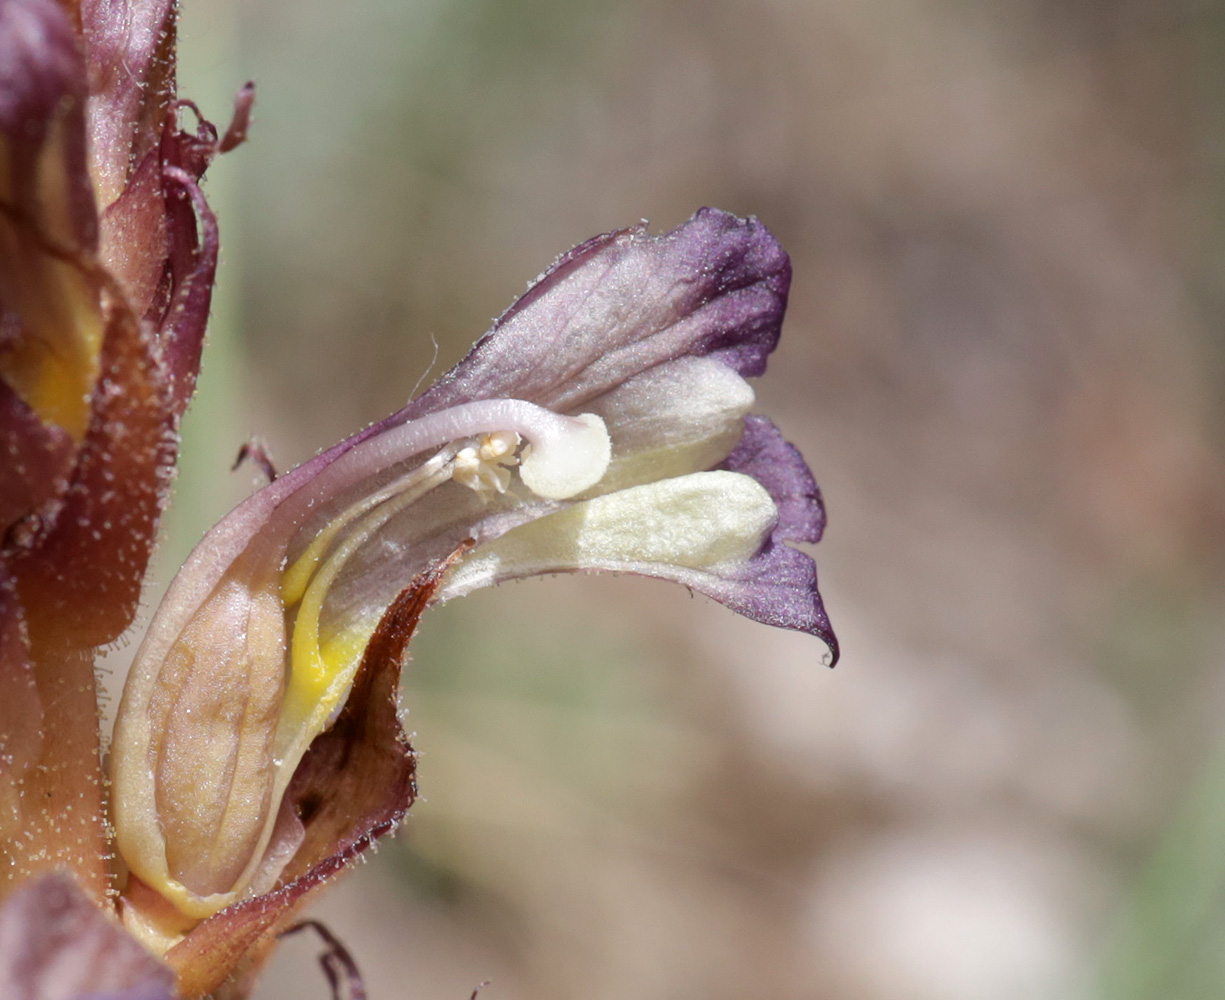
<point>107,257</point>
<point>602,424</point>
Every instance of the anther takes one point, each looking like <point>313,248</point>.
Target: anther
<point>483,467</point>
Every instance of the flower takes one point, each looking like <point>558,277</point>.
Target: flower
<point>602,424</point>
<point>107,258</point>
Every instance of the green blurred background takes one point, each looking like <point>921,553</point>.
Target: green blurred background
<point>1003,359</point>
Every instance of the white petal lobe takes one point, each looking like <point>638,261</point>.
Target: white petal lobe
<point>698,521</point>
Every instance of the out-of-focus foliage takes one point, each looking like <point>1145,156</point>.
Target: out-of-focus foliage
<point>1004,357</point>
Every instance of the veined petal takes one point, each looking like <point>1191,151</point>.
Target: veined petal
<point>211,672</point>
<point>354,785</point>
<point>621,304</point>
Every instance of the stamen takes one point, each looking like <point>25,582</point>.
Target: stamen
<point>483,468</point>
<point>500,446</point>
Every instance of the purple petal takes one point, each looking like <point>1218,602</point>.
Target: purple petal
<point>626,302</point>
<point>776,587</point>
<point>730,306</point>
<point>623,303</point>
<point>56,943</point>
<point>779,585</point>
<point>629,322</point>
<point>614,307</point>
<point>781,469</point>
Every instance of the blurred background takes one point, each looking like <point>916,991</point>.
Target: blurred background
<point>1003,359</point>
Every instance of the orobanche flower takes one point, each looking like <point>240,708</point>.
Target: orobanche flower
<point>602,424</point>
<point>107,257</point>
